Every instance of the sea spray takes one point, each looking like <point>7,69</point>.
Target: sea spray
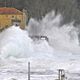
<point>16,42</point>
<point>63,37</point>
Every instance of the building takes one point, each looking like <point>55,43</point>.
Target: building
<point>12,16</point>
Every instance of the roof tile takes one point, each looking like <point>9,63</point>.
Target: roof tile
<point>6,10</point>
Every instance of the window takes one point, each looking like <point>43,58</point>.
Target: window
<point>6,26</point>
<point>6,15</point>
<point>13,16</point>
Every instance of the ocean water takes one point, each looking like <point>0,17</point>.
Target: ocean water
<point>61,52</point>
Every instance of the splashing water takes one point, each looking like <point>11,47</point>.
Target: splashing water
<point>63,38</point>
<point>13,41</point>
<point>17,48</point>
<point>16,42</point>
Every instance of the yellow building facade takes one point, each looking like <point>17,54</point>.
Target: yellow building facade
<point>12,16</point>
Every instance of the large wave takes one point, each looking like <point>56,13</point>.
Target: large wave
<point>17,48</point>
<point>63,37</point>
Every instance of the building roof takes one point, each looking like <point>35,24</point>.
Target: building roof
<point>6,10</point>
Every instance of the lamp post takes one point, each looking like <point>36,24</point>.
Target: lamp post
<point>28,70</point>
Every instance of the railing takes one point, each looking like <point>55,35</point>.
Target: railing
<point>61,73</point>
